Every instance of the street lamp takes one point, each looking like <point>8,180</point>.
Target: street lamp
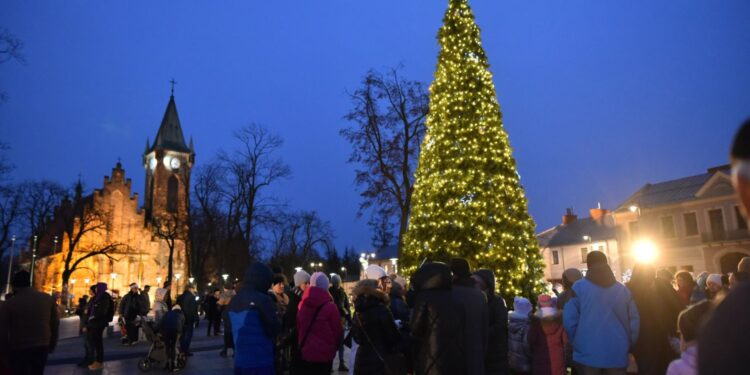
<point>225,277</point>
<point>178,276</point>
<point>191,279</point>
<point>86,281</point>
<point>644,251</point>
<point>10,263</point>
<point>297,269</point>
<point>113,276</point>
<point>587,238</point>
<point>158,280</point>
<point>33,262</point>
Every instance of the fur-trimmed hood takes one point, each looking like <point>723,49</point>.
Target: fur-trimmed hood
<point>366,294</point>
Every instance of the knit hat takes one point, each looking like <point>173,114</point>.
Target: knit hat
<point>335,280</point>
<point>133,285</point>
<point>521,306</point>
<point>375,272</point>
<point>714,278</point>
<point>546,306</point>
<point>301,277</point>
<point>320,280</point>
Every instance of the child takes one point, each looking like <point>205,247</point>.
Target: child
<point>689,324</point>
<point>518,325</point>
<point>547,339</point>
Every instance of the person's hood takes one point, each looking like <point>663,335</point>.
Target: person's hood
<point>601,275</point>
<point>258,277</point>
<point>516,322</point>
<point>434,275</point>
<point>489,278</point>
<point>315,297</point>
<point>367,294</point>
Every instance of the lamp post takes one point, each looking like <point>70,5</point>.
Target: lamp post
<point>113,276</point>
<point>33,262</point>
<point>225,277</point>
<point>343,272</point>
<point>177,277</point>
<point>10,263</point>
<point>191,279</point>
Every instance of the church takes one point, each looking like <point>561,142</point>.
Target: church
<point>107,237</point>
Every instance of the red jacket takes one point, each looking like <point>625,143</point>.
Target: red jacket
<point>547,341</point>
<point>325,332</point>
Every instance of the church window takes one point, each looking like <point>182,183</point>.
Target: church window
<point>172,186</point>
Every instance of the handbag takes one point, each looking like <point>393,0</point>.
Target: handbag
<point>394,363</point>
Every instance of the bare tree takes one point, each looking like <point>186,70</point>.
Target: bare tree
<point>10,49</point>
<point>250,170</point>
<point>388,119</point>
<point>39,202</point>
<point>85,229</point>
<point>300,237</point>
<point>170,229</point>
<point>206,228</point>
<point>11,199</point>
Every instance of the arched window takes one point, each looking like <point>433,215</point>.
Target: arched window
<point>172,186</point>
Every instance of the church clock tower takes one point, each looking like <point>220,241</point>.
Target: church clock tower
<point>168,162</point>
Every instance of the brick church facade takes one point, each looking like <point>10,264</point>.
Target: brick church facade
<point>115,219</point>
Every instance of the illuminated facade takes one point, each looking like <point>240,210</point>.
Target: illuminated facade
<point>141,256</point>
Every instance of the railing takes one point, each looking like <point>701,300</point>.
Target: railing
<point>726,235</point>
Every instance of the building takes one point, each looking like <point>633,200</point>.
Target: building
<point>567,245</point>
<point>386,257</point>
<point>110,218</point>
<point>694,223</point>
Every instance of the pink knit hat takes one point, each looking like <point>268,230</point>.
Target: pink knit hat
<point>547,306</point>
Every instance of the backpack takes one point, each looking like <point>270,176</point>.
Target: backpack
<point>110,310</point>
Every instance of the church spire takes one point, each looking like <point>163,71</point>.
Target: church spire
<point>170,135</point>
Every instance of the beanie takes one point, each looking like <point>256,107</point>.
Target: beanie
<point>714,278</point>
<point>320,280</point>
<point>375,272</point>
<point>460,268</point>
<point>335,280</point>
<point>301,277</point>
<point>521,306</point>
<point>547,306</point>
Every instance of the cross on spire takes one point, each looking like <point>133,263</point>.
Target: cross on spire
<point>173,82</point>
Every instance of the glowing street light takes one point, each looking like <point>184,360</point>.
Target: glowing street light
<point>86,281</point>
<point>644,251</point>
<point>191,279</point>
<point>587,238</point>
<point>633,208</point>
<point>297,269</point>
<point>158,280</point>
<point>225,277</point>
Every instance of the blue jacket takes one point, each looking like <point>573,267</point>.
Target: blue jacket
<point>254,325</point>
<point>601,320</point>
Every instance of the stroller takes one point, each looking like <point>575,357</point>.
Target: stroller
<point>158,355</point>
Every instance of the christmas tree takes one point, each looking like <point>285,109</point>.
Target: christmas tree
<point>468,201</point>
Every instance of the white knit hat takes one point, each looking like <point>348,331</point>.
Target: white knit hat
<point>714,278</point>
<point>375,272</point>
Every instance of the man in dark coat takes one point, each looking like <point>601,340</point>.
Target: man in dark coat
<point>28,327</point>
<point>129,308</point>
<point>474,305</point>
<point>342,302</point>
<point>190,311</point>
<point>497,337</point>
<point>301,282</point>
<point>436,324</point>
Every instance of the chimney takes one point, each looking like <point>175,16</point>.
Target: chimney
<point>569,217</point>
<point>598,213</point>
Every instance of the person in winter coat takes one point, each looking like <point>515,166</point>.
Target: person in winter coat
<point>160,307</point>
<point>289,324</point>
<point>28,327</point>
<point>658,306</point>
<point>547,339</point>
<point>690,322</point>
<point>100,312</point>
<point>398,306</point>
<point>685,286</point>
<point>211,309</point>
<point>224,300</point>
<point>569,277</point>
<point>373,328</point>
<point>318,326</point>
<point>190,310</point>
<point>436,324</point>
<point>474,305</point>
<point>342,303</point>
<point>254,323</point>
<point>171,330</point>
<point>81,312</point>
<point>497,337</point>
<point>601,320</point>
<point>281,302</point>
<point>519,320</point>
<point>129,308</point>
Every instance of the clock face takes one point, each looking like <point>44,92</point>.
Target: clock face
<point>167,161</point>
<point>152,163</point>
<point>175,163</point>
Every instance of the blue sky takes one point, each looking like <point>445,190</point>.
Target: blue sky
<point>598,97</point>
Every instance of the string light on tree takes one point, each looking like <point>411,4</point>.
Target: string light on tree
<point>468,200</point>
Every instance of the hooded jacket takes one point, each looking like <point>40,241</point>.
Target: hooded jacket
<point>29,320</point>
<point>601,320</point>
<point>253,321</point>
<point>324,332</point>
<point>496,359</point>
<point>437,326</point>
<point>398,306</point>
<point>547,342</point>
<point>473,303</point>
<point>374,328</point>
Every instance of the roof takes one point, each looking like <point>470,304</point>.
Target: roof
<point>670,192</point>
<point>573,233</point>
<point>170,135</point>
<point>387,252</point>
